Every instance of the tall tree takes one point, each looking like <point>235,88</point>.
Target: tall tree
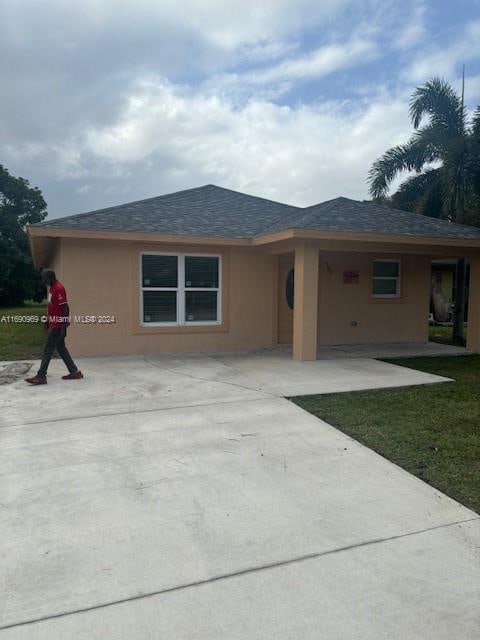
<point>472,171</point>
<point>20,204</point>
<point>441,155</point>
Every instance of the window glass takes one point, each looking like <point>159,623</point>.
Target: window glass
<point>159,306</point>
<point>201,272</point>
<point>200,306</point>
<point>385,287</point>
<point>385,269</point>
<point>159,271</point>
<point>187,284</point>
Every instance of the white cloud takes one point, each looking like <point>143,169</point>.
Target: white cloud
<point>300,155</point>
<point>272,81</point>
<point>109,101</point>
<point>443,60</point>
<point>84,188</point>
<point>318,63</point>
<point>225,25</point>
<point>414,31</point>
<point>472,88</point>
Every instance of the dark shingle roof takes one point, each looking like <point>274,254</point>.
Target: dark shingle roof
<point>343,214</point>
<point>208,210</point>
<point>215,211</point>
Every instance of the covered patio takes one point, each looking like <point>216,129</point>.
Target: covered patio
<point>334,310</point>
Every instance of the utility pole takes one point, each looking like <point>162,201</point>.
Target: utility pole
<point>461,270</point>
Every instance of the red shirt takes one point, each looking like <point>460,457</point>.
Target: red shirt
<point>57,297</point>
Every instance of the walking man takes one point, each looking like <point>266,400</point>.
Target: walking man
<point>58,314</point>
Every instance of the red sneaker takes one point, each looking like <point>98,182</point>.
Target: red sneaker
<point>73,376</point>
<point>37,380</point>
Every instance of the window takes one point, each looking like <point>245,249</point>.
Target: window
<point>386,279</point>
<point>180,289</point>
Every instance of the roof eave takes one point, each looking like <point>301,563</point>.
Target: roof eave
<point>40,234</point>
<point>355,236</point>
<point>98,234</point>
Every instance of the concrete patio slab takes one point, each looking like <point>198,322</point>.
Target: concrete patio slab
<point>183,498</point>
<point>152,382</point>
<point>276,373</point>
<point>392,350</point>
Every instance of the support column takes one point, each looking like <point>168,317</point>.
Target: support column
<point>305,307</point>
<point>473,325</point>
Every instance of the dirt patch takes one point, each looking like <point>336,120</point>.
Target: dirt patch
<point>12,372</point>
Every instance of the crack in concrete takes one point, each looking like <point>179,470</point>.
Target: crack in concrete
<point>212,380</point>
<point>235,574</point>
<point>140,411</point>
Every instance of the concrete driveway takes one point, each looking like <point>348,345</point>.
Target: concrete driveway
<point>185,498</point>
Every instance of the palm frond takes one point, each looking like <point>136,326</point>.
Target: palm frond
<point>432,138</point>
<point>438,100</point>
<point>421,193</point>
<point>411,156</point>
<point>475,124</point>
<point>472,162</point>
<point>450,191</point>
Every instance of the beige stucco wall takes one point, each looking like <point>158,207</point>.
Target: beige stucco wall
<point>403,319</point>
<point>101,277</point>
<point>56,259</point>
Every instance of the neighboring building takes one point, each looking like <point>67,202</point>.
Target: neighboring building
<point>210,269</point>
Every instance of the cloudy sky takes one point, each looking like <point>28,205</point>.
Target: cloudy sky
<point>108,101</point>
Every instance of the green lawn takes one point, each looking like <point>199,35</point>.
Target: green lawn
<point>18,340</point>
<point>431,431</point>
<point>442,334</point>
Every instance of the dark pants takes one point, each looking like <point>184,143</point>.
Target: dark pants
<point>56,340</point>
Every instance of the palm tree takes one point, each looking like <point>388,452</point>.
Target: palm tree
<point>472,170</point>
<point>440,155</point>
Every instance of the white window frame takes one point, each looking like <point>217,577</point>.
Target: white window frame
<point>397,279</point>
<point>182,290</point>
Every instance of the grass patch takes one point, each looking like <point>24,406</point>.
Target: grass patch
<point>18,340</point>
<point>431,431</point>
<point>443,335</point>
